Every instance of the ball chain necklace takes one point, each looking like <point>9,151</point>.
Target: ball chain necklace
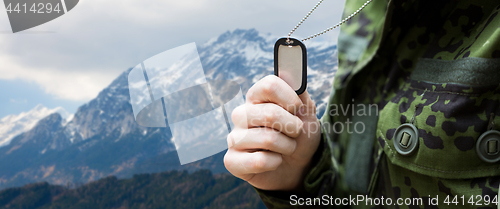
<point>330,28</point>
<point>290,55</point>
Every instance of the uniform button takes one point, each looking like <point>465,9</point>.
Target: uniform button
<point>406,139</point>
<point>487,146</point>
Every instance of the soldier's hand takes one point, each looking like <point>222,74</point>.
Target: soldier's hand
<point>275,137</point>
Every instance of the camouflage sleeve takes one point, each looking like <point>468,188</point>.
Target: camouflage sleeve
<point>319,178</point>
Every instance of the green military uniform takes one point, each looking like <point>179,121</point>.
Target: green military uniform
<point>432,65</point>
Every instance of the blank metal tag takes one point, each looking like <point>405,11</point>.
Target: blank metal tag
<point>290,63</point>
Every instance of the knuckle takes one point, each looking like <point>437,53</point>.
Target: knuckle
<point>263,86</point>
<point>269,140</point>
<point>237,138</point>
<point>238,114</point>
<point>228,161</point>
<point>251,92</point>
<point>270,78</point>
<point>270,116</point>
<point>269,87</point>
<point>273,108</point>
<point>230,141</point>
<point>259,163</point>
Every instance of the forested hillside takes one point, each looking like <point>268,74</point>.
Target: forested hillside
<point>174,189</point>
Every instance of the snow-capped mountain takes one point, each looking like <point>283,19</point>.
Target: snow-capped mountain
<point>246,56</point>
<point>13,125</point>
<point>102,138</point>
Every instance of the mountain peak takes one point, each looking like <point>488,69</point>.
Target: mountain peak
<point>239,36</point>
<point>250,34</point>
<point>13,125</point>
<point>39,107</point>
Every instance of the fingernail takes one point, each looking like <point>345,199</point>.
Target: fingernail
<point>302,110</point>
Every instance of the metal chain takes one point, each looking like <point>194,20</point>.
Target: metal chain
<point>328,29</point>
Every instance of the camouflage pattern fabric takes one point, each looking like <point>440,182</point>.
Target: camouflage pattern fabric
<point>436,62</point>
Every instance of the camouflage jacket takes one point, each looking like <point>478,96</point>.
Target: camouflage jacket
<point>431,65</point>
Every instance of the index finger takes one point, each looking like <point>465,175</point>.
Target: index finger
<point>272,89</point>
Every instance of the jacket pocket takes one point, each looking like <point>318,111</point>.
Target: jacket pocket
<point>452,103</point>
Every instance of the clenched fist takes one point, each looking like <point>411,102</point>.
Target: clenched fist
<point>275,137</point>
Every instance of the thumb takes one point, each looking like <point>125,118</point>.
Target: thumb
<point>309,108</point>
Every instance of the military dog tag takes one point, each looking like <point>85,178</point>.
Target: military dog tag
<point>290,63</point>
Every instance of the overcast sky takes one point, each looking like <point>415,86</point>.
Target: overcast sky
<point>67,61</point>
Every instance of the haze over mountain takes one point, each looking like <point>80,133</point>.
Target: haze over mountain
<point>102,138</point>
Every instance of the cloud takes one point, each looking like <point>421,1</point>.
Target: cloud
<point>19,101</point>
<point>72,85</point>
<point>76,55</point>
